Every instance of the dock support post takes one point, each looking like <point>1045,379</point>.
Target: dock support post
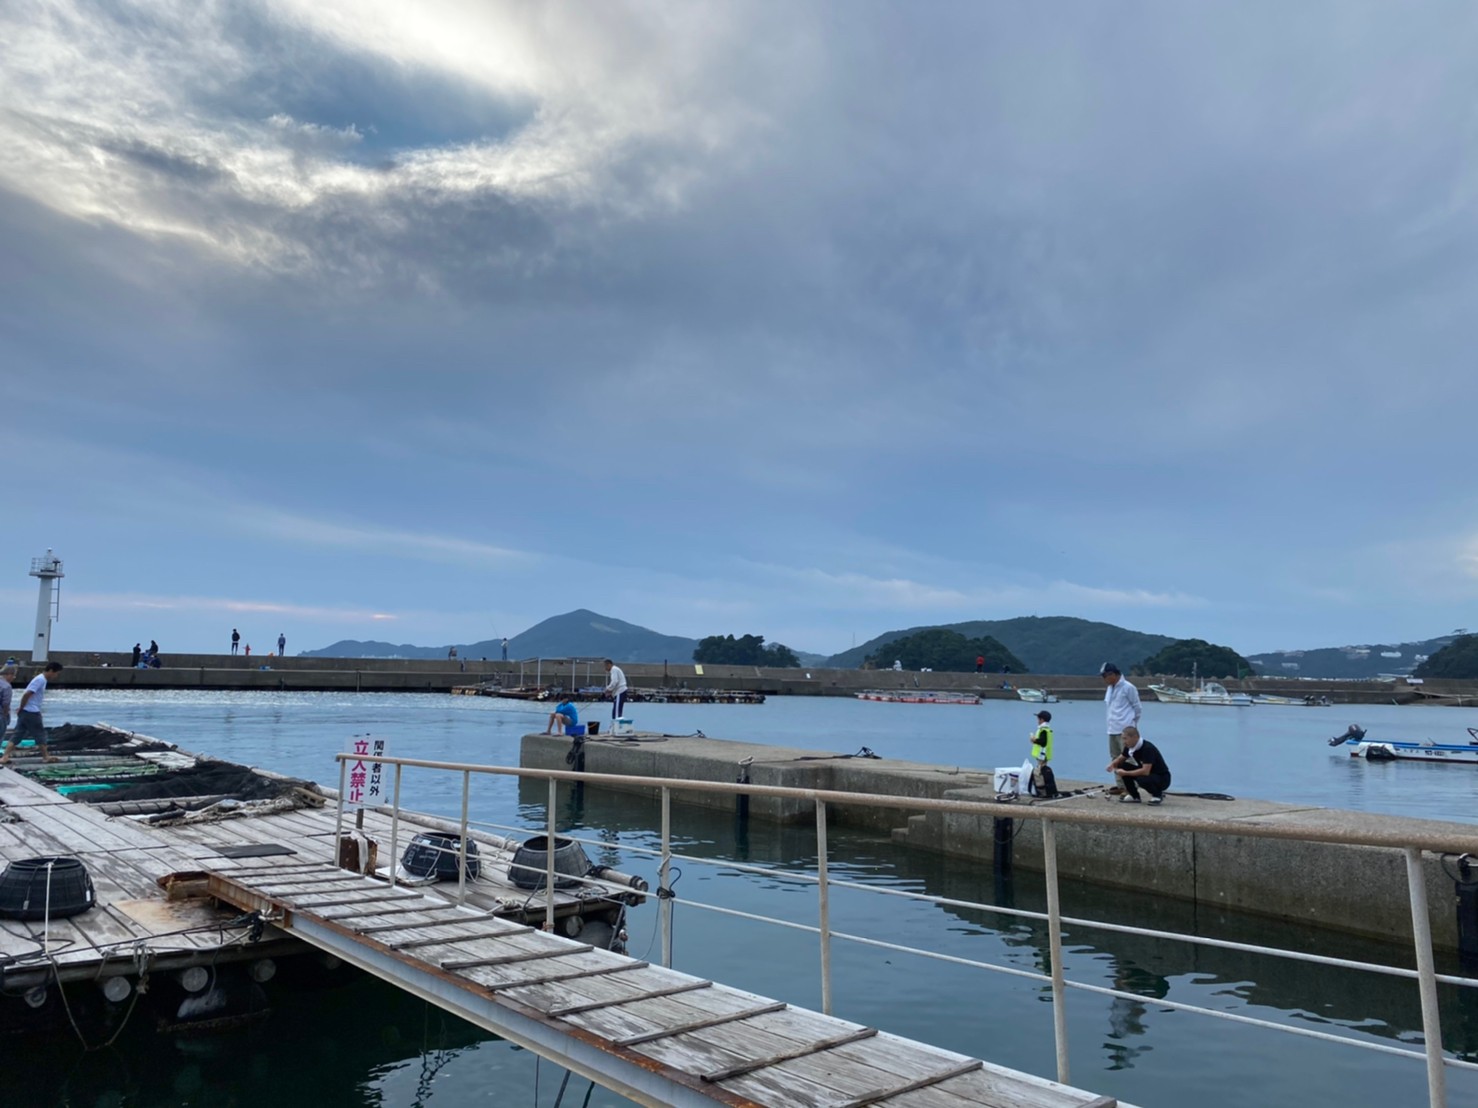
<point>664,871</point>
<point>549,855</point>
<point>462,841</point>
<point>395,827</point>
<point>823,898</point>
<point>339,814</point>
<point>1421,933</point>
<point>1054,941</point>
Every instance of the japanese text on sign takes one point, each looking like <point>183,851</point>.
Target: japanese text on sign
<point>365,776</point>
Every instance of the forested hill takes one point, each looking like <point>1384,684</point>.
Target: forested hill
<point>578,634</point>
<point>1367,660</point>
<point>1045,644</point>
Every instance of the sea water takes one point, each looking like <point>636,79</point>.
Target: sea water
<point>363,1043</point>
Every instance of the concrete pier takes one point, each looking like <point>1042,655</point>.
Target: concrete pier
<point>261,671</point>
<point>1194,850</point>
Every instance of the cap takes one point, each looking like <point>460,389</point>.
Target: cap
<point>1045,716</point>
<point>1107,668</point>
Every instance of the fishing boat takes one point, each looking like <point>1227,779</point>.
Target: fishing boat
<point>1407,750</point>
<point>918,697</point>
<point>1037,696</point>
<point>1201,692</point>
<point>1310,701</point>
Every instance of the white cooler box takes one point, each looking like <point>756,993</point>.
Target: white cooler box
<point>621,726</point>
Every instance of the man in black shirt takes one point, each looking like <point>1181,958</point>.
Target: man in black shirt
<point>1140,764</point>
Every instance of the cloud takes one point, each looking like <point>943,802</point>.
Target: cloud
<point>205,605</point>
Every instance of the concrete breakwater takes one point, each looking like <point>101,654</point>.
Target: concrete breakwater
<point>296,672</point>
<point>1208,852</point>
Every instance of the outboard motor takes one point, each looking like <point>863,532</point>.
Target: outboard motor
<point>1353,733</point>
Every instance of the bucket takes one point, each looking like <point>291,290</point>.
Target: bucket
<point>593,727</point>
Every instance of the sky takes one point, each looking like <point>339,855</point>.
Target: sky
<point>357,319</point>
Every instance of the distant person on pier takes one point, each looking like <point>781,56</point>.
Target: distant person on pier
<point>281,644</point>
<point>451,654</point>
<point>564,716</point>
<point>235,640</point>
<point>28,724</point>
<point>1141,764</point>
<point>153,648</point>
<point>7,693</point>
<point>1121,709</point>
<point>137,650</point>
<point>980,663</point>
<point>248,650</point>
<point>615,687</point>
<point>505,649</point>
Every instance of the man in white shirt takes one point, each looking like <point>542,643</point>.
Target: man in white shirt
<point>615,688</point>
<point>1121,706</point>
<point>28,716</point>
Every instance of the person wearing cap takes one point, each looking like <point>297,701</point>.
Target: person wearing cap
<point>1121,707</point>
<point>1043,781</point>
<point>1141,764</point>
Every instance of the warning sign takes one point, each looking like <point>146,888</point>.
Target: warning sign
<point>364,785</point>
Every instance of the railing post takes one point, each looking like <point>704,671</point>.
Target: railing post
<point>549,855</point>
<point>395,827</point>
<point>1054,940</point>
<point>462,841</point>
<point>823,899</point>
<point>664,871</point>
<point>1421,934</point>
<point>339,814</point>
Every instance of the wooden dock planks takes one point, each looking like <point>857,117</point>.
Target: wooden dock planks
<point>701,1042</point>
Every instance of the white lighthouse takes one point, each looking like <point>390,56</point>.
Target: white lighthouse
<point>48,604</point>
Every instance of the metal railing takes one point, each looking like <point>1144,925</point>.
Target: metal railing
<point>1411,842</point>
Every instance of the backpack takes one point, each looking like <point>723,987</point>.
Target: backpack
<point>1043,782</point>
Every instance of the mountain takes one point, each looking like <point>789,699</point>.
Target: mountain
<point>578,634</point>
<point>1368,660</point>
<point>1045,644</point>
<point>586,634</point>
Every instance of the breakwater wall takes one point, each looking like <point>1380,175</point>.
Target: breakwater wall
<point>1195,849</point>
<point>261,671</point>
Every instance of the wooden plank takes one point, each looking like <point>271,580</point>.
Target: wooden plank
<point>442,940</point>
<point>716,1076</point>
<point>703,1024</point>
<point>509,959</point>
<point>887,1092</point>
<point>572,975</point>
<point>448,906</point>
<point>685,987</point>
<point>382,927</point>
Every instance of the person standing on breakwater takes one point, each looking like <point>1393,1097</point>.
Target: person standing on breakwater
<point>137,650</point>
<point>616,687</point>
<point>235,640</point>
<point>1121,707</point>
<point>7,674</point>
<point>281,644</point>
<point>28,718</point>
<point>980,663</point>
<point>1140,764</point>
<point>505,649</point>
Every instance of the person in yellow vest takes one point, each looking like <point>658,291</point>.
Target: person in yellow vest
<point>1043,781</point>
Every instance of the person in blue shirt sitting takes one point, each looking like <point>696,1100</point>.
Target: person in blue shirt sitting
<point>564,716</point>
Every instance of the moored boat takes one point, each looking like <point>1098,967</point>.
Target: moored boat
<point>1407,750</point>
<point>918,696</point>
<point>1207,692</point>
<point>1037,696</point>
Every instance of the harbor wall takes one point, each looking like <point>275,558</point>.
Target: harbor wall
<point>265,671</point>
<point>1356,889</point>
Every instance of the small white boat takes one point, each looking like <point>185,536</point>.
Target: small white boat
<point>1206,692</point>
<point>1310,701</point>
<point>1037,696</point>
<point>1407,750</point>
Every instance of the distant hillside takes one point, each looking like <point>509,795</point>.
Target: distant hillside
<point>1368,660</point>
<point>578,634</point>
<point>1045,644</point>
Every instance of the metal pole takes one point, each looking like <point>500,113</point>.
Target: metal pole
<point>1054,938</point>
<point>1421,934</point>
<point>664,870</point>
<point>549,855</point>
<point>395,827</point>
<point>823,898</point>
<point>339,815</point>
<point>462,841</point>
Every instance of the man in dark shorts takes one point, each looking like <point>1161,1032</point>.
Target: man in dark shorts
<point>28,718</point>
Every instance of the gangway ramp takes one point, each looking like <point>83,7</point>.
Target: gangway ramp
<point>652,1034</point>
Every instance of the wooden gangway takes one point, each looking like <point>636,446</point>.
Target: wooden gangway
<point>652,1034</point>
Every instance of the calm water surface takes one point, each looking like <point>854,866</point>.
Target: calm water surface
<point>362,1044</point>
